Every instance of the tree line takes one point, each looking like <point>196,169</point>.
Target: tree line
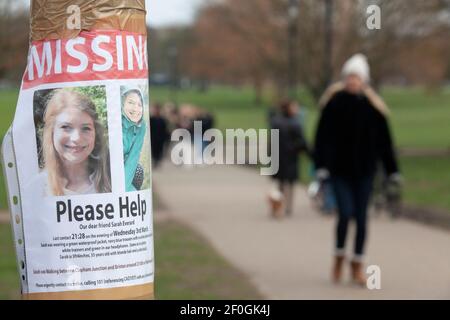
<point>258,43</point>
<point>250,42</point>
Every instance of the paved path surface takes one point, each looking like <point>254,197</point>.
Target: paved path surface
<point>291,258</point>
<point>4,216</point>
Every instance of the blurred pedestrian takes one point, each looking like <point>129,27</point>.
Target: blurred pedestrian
<point>207,120</point>
<point>159,134</point>
<point>292,143</point>
<point>353,134</point>
<point>170,112</point>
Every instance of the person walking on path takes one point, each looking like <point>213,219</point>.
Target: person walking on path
<point>292,143</point>
<point>352,136</point>
<point>159,134</point>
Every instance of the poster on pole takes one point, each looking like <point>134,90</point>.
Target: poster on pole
<point>77,157</point>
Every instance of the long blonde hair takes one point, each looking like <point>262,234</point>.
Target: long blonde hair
<point>98,165</point>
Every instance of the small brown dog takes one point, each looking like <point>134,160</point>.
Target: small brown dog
<point>276,203</point>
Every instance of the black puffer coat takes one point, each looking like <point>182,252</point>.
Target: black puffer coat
<point>292,142</point>
<point>352,137</point>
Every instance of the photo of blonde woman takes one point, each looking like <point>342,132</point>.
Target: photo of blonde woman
<point>73,148</point>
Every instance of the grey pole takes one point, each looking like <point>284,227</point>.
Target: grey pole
<point>173,56</point>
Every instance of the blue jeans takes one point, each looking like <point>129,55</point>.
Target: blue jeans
<point>352,196</point>
<point>329,201</point>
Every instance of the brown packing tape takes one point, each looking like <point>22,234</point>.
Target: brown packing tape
<point>49,18</point>
<point>140,292</point>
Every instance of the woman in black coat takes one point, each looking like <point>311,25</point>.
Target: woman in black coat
<point>291,143</point>
<point>352,136</point>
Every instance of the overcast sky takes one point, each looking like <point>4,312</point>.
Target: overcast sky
<point>161,13</point>
<point>169,12</point>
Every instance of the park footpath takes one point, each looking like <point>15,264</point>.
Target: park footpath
<point>291,258</point>
<point>4,217</point>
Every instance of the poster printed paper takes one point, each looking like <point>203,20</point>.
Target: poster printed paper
<point>82,147</point>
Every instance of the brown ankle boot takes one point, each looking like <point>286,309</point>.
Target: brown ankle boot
<point>337,268</point>
<point>358,276</point>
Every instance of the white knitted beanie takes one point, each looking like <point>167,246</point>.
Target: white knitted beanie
<point>357,65</point>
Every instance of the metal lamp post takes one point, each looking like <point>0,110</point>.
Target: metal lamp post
<point>173,57</point>
<point>293,14</point>
<point>328,56</point>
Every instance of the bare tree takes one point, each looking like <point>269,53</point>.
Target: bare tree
<point>14,39</point>
<point>247,42</point>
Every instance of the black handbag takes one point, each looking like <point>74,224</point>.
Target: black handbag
<point>138,179</point>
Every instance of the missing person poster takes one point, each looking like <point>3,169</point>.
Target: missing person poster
<point>81,145</point>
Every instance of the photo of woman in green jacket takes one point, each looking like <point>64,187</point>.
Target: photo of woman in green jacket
<point>134,129</point>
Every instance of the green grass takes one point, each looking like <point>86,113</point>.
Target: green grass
<point>186,268</point>
<point>234,108</point>
<point>418,120</point>
<point>427,181</point>
<point>8,101</point>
